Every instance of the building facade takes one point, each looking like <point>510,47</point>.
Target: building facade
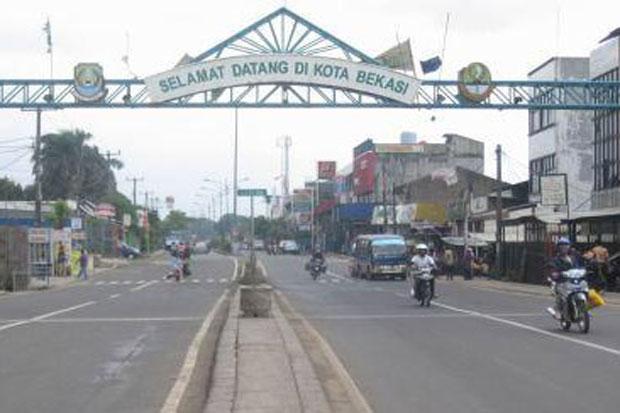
<point>560,142</point>
<point>605,66</point>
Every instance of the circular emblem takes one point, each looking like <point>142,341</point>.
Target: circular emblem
<point>88,82</point>
<point>475,82</point>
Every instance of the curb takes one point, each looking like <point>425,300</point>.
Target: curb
<point>222,390</point>
<point>309,389</point>
<point>354,394</point>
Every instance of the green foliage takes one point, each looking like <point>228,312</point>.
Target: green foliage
<point>73,169</point>
<point>10,190</point>
<point>60,213</point>
<point>175,221</point>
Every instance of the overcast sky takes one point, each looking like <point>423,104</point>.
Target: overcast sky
<point>175,149</point>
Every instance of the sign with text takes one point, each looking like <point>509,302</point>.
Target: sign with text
<point>326,169</point>
<point>553,189</point>
<point>216,74</point>
<point>252,192</point>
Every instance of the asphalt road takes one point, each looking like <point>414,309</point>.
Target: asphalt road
<point>112,344</point>
<point>473,351</point>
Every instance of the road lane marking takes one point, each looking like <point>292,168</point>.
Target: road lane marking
<point>127,282</point>
<point>114,296</point>
<point>196,281</point>
<point>512,323</point>
<point>223,280</point>
<point>121,319</point>
<point>173,400</point>
<point>140,287</point>
<point>113,282</point>
<point>210,281</point>
<point>410,315</point>
<point>140,282</point>
<point>100,283</point>
<point>47,315</point>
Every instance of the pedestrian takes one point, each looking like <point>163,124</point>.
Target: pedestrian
<point>61,260</point>
<point>83,265</point>
<point>468,259</point>
<point>448,259</point>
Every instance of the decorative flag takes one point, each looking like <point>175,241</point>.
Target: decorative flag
<point>47,28</point>
<point>398,57</point>
<point>430,65</point>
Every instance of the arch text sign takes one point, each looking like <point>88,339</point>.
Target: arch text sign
<point>272,69</point>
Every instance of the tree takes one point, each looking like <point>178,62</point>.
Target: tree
<point>10,190</point>
<point>72,169</point>
<point>175,221</point>
<point>60,213</point>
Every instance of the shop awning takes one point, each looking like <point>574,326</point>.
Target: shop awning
<point>460,241</point>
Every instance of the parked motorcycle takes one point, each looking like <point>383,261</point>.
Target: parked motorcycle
<point>571,292</point>
<point>424,293</point>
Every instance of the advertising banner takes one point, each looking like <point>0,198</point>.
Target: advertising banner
<point>553,189</point>
<point>281,68</point>
<point>364,173</point>
<point>326,170</point>
<point>302,200</point>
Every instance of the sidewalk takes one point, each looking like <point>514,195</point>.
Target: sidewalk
<point>262,367</point>
<point>531,289</point>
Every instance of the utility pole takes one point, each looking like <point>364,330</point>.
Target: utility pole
<point>109,155</point>
<point>135,185</point>
<point>37,173</point>
<point>147,235</point>
<point>383,188</point>
<point>235,165</point>
<point>498,212</point>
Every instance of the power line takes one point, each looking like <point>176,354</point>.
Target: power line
<point>14,161</point>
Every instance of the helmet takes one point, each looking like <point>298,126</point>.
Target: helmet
<point>421,247</point>
<point>562,241</point>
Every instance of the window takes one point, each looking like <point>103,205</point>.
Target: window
<point>607,142</point>
<point>541,119</point>
<point>540,166</point>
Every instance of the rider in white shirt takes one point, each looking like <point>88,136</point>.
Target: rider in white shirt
<point>422,261</point>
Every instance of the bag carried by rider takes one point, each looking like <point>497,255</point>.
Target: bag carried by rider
<point>595,299</point>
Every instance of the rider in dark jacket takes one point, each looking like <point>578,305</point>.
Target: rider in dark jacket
<point>561,262</point>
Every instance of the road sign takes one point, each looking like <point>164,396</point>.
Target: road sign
<point>252,192</point>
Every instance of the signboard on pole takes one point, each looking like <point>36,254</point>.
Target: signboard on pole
<point>213,75</point>
<point>553,189</point>
<point>326,170</point>
<point>252,192</point>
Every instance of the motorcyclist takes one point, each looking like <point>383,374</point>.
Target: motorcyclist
<point>421,261</point>
<point>317,258</point>
<point>560,263</point>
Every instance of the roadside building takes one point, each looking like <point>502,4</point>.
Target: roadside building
<point>560,141</point>
<point>602,222</point>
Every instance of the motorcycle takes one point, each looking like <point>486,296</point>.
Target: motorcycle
<point>316,268</point>
<point>571,292</point>
<point>424,292</point>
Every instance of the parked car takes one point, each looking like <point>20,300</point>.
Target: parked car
<point>127,251</point>
<point>380,255</point>
<point>289,246</point>
<point>170,241</point>
<point>259,244</point>
<point>201,247</point>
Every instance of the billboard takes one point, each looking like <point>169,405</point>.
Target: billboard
<point>326,170</point>
<point>302,200</point>
<point>364,173</point>
<point>553,189</point>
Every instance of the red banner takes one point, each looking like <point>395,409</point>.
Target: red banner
<point>364,173</point>
<point>326,170</point>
